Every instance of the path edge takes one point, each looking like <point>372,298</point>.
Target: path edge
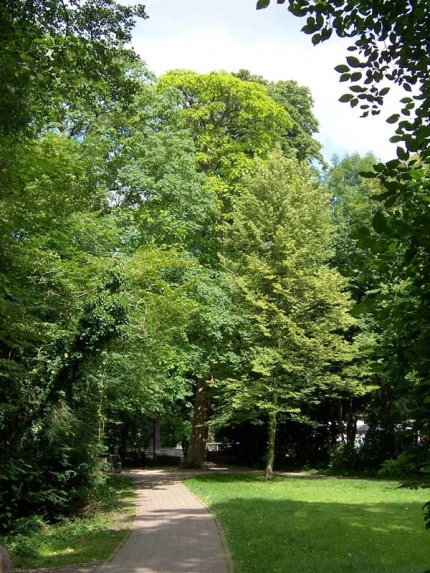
<point>106,562</point>
<point>230,565</point>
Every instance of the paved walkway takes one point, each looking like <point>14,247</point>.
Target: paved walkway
<point>172,531</point>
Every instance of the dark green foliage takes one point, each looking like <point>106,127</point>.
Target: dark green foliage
<point>61,293</point>
<point>55,53</point>
<point>50,452</point>
<point>91,536</point>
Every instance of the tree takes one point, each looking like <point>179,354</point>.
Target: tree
<point>298,140</point>
<point>391,44</point>
<point>353,207</point>
<point>62,53</point>
<point>231,120</point>
<point>61,65</point>
<point>278,249</point>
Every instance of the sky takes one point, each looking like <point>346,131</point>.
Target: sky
<point>208,35</point>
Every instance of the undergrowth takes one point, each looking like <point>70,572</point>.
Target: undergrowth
<point>92,536</point>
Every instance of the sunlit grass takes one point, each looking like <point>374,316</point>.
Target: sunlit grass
<point>93,537</point>
<point>311,525</point>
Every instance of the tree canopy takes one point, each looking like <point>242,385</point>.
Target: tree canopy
<point>169,251</point>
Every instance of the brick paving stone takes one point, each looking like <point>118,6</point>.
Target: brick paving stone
<point>172,531</point>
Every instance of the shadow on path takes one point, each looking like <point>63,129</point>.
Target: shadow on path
<point>172,531</point>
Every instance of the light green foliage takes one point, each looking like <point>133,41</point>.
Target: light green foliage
<point>165,201</point>
<point>154,366</point>
<point>278,249</point>
<point>231,121</point>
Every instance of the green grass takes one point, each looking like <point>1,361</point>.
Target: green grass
<point>318,525</point>
<point>92,537</point>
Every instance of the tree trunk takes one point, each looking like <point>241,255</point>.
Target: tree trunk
<point>196,454</point>
<point>351,430</point>
<point>271,446</point>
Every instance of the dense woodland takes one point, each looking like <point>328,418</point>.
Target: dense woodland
<point>177,247</point>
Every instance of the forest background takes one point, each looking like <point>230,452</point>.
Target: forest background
<point>177,247</point>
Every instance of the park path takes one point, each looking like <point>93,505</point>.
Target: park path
<point>172,531</point>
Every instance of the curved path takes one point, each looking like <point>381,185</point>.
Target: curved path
<point>172,531</point>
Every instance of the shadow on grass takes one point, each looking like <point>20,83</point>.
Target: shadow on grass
<point>275,528</point>
<point>278,534</point>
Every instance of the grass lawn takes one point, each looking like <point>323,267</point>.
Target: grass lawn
<point>92,537</point>
<point>318,525</point>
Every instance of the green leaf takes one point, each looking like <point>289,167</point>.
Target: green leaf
<point>392,164</point>
<point>392,186</point>
<point>379,222</point>
<point>411,143</point>
<point>326,33</point>
<point>381,196</point>
<point>379,167</point>
<point>354,62</point>
<point>391,201</point>
<point>308,29</point>
<point>361,233</point>
<point>402,154</point>
<point>384,91</point>
<point>378,247</point>
<point>342,68</point>
<point>393,118</point>
<point>416,173</point>
<point>366,305</point>
<point>345,98</point>
<point>261,4</point>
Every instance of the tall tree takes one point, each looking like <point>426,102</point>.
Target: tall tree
<point>62,296</point>
<point>391,45</point>
<point>62,53</point>
<point>278,250</point>
<point>231,121</point>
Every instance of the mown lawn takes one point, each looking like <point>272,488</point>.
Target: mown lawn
<point>92,537</point>
<point>318,525</point>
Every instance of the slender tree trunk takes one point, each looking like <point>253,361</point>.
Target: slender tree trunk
<point>271,446</point>
<point>272,431</point>
<point>340,422</point>
<point>196,454</point>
